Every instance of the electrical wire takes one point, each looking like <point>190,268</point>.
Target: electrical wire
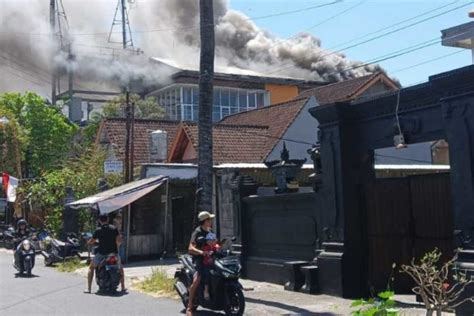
<point>393,25</point>
<point>187,26</point>
<point>333,17</point>
<point>9,64</point>
<point>389,56</point>
<point>313,144</point>
<point>376,37</point>
<point>293,11</point>
<point>396,113</point>
<point>428,61</point>
<point>19,76</point>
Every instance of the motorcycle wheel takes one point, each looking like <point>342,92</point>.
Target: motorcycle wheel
<point>184,299</point>
<point>28,268</point>
<point>235,302</point>
<point>48,262</point>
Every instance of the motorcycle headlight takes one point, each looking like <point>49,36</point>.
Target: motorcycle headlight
<point>26,245</point>
<point>225,274</point>
<point>48,240</point>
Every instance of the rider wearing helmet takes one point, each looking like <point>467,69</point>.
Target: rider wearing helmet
<point>22,232</point>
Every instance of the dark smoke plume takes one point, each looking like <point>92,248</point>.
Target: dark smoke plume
<point>27,46</point>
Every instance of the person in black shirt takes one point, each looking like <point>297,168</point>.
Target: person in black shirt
<point>198,240</point>
<point>22,230</point>
<point>109,240</point>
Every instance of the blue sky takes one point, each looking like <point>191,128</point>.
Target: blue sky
<point>367,17</point>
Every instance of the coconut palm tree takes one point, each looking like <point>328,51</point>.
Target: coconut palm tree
<point>206,92</point>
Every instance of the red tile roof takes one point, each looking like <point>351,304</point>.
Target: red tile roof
<point>344,90</point>
<point>277,117</point>
<point>114,129</point>
<point>232,143</point>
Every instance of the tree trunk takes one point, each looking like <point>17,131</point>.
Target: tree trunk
<point>206,91</point>
<point>429,312</point>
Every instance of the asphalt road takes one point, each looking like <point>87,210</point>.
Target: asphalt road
<point>54,293</point>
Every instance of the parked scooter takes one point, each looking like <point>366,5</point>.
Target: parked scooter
<point>24,258</point>
<point>224,287</point>
<point>107,274</point>
<point>55,250</point>
<point>8,237</point>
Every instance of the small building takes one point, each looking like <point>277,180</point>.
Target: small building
<point>111,137</point>
<point>235,91</point>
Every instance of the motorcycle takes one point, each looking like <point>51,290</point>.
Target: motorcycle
<point>55,250</point>
<point>8,237</point>
<point>24,258</point>
<point>108,274</point>
<point>224,287</point>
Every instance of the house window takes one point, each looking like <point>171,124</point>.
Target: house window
<point>182,103</point>
<point>252,103</point>
<point>243,101</point>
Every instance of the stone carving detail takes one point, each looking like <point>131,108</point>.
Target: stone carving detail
<point>285,171</point>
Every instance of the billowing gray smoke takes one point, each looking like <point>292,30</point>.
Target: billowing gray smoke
<point>26,44</point>
<point>241,43</point>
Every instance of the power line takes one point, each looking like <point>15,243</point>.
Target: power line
<point>293,11</point>
<point>334,16</point>
<point>378,36</point>
<point>312,144</point>
<point>391,55</point>
<point>186,26</point>
<point>427,61</point>
<point>395,24</point>
<point>30,74</point>
<point>19,76</point>
<point>424,44</point>
<point>383,58</point>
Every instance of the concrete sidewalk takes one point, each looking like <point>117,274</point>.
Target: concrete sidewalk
<point>268,299</point>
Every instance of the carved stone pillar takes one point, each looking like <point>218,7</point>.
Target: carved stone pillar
<point>347,165</point>
<point>459,117</point>
<point>232,187</point>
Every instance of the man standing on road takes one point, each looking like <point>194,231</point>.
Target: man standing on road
<point>109,240</point>
<point>198,239</point>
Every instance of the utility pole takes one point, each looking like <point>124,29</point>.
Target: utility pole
<point>206,93</point>
<point>128,124</point>
<point>70,77</point>
<point>128,168</point>
<point>52,24</point>
<point>56,15</point>
<point>124,26</point>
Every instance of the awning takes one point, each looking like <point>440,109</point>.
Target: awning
<point>116,198</point>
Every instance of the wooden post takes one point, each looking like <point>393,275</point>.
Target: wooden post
<point>165,235</point>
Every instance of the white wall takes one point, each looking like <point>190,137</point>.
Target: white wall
<point>300,135</point>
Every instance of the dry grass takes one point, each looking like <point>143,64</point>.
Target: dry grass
<point>159,284</point>
<point>70,265</point>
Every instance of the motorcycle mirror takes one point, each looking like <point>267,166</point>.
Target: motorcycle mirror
<point>234,238</point>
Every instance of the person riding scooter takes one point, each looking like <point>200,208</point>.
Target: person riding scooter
<point>22,232</point>
<point>196,250</point>
<point>109,240</point>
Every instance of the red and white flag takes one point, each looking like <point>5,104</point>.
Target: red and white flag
<point>9,185</point>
